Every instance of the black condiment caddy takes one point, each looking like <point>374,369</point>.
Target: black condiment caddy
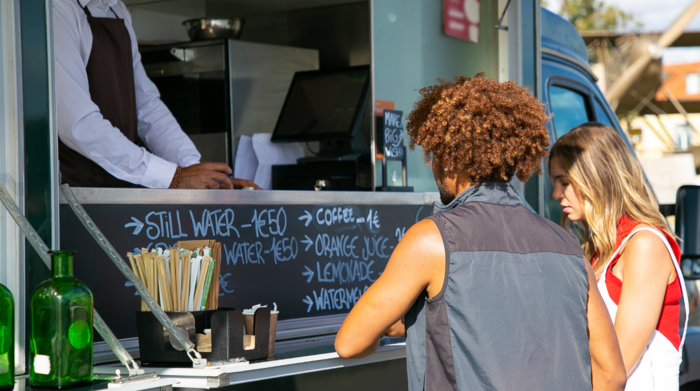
<point>227,326</point>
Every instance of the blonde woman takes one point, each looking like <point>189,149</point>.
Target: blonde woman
<point>607,203</point>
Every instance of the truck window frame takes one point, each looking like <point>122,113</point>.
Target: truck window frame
<point>588,97</point>
<point>604,112</point>
<point>558,81</point>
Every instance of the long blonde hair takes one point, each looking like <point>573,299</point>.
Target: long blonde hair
<point>610,183</point>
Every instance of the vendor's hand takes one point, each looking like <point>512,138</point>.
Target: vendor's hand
<point>242,184</point>
<point>206,176</point>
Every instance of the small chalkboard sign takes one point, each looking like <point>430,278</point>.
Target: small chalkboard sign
<point>393,135</point>
<point>393,149</point>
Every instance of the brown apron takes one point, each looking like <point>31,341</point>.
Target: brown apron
<point>110,73</point>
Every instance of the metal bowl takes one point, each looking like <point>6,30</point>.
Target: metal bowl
<point>199,29</point>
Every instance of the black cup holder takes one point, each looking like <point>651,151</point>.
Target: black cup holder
<point>157,348</point>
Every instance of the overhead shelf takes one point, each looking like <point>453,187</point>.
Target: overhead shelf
<point>228,8</point>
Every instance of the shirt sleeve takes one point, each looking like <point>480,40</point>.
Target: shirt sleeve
<point>80,124</point>
<point>156,126</point>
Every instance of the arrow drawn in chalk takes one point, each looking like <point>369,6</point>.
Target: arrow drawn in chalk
<point>308,301</point>
<point>129,284</point>
<point>309,273</point>
<point>307,241</point>
<point>307,216</point>
<point>137,224</point>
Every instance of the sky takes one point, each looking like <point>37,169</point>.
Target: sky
<point>656,16</point>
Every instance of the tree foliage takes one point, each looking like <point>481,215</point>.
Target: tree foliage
<point>596,15</point>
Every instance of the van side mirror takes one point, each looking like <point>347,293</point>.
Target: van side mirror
<point>688,229</point>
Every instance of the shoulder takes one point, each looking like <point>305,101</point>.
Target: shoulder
<point>419,256</point>
<point>556,236</point>
<point>505,228</point>
<point>424,234</point>
<point>645,248</point>
<point>421,244</point>
<point>67,8</point>
<point>646,242</point>
<point>69,21</point>
<point>123,11</point>
<point>567,237</point>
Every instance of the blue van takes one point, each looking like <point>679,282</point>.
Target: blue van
<point>571,94</point>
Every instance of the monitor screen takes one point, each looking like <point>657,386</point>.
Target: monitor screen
<point>323,105</point>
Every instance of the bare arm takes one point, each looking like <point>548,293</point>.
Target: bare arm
<point>397,330</point>
<point>645,267</point>
<point>607,367</point>
<point>417,264</point>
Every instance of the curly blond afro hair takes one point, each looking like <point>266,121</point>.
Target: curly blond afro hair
<point>486,129</point>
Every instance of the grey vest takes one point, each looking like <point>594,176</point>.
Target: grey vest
<point>511,314</point>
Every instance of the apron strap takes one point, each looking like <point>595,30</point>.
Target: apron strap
<point>676,265</point>
<point>87,11</point>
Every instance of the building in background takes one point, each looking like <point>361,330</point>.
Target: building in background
<point>668,144</point>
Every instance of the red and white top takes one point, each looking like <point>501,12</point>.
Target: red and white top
<point>659,365</point>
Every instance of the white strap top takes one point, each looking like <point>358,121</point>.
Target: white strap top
<point>658,367</point>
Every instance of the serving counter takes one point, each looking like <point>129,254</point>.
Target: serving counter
<point>258,371</point>
<point>312,254</point>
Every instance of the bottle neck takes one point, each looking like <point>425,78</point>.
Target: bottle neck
<point>61,264</point>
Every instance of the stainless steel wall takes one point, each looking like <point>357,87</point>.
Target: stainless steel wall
<point>411,51</point>
<point>341,33</point>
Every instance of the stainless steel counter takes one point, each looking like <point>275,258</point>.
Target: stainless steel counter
<point>248,197</point>
<point>292,335</point>
<point>216,377</point>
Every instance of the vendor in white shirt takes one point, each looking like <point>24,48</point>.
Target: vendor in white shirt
<point>105,103</point>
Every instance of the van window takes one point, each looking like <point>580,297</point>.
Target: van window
<point>568,109</point>
<point>601,114</point>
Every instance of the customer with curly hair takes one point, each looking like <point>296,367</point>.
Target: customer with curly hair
<point>489,295</point>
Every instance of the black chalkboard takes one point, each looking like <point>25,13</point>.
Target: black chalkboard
<point>310,260</point>
<point>393,135</point>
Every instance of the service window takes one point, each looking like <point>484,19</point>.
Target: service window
<point>568,107</point>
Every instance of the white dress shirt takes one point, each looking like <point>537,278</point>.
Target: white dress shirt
<point>82,127</point>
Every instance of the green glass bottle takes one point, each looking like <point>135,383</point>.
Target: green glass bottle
<point>7,339</point>
<point>61,330</point>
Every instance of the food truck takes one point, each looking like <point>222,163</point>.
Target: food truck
<point>339,191</point>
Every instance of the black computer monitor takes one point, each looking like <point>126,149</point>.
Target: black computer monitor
<point>323,105</point>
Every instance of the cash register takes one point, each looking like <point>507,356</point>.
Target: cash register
<point>327,107</point>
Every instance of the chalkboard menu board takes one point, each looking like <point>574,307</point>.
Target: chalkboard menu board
<point>312,260</point>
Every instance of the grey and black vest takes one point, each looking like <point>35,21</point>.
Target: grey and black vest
<point>511,314</point>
